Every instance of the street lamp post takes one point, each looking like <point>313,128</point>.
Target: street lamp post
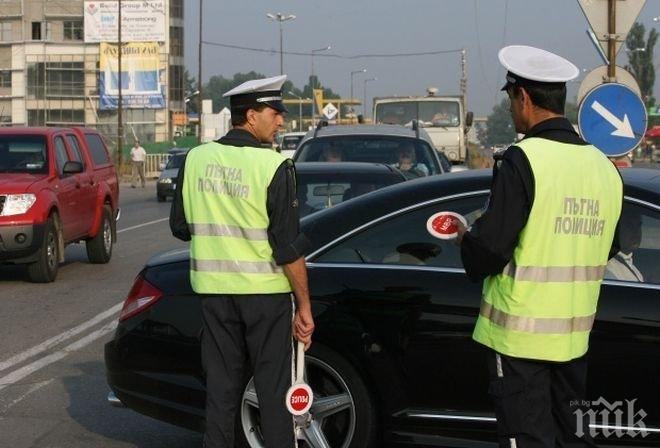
<point>364,105</point>
<point>364,70</point>
<point>312,80</point>
<point>299,109</point>
<point>199,74</point>
<point>279,17</point>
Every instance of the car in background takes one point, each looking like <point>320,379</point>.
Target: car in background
<point>166,183</point>
<point>58,186</point>
<point>321,185</point>
<point>393,363</point>
<point>372,144</point>
<point>289,142</point>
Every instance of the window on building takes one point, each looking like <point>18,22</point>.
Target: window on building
<point>176,9</point>
<point>65,79</point>
<point>57,117</point>
<point>6,32</point>
<point>36,30</point>
<point>73,30</point>
<point>176,83</point>
<point>36,85</point>
<point>36,117</point>
<point>176,41</point>
<point>5,78</point>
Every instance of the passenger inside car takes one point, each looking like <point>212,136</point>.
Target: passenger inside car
<point>621,266</point>
<point>407,163</point>
<point>332,153</point>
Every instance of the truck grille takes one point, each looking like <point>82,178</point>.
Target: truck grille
<point>2,202</point>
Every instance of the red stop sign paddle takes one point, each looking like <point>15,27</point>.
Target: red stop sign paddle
<point>299,397</point>
<point>442,225</point>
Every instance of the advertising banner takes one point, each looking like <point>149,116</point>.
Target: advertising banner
<point>140,76</point>
<point>142,21</point>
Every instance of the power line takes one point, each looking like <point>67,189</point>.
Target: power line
<point>333,55</point>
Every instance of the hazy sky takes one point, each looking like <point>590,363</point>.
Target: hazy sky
<point>355,27</point>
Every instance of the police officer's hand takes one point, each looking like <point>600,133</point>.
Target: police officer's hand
<point>303,326</point>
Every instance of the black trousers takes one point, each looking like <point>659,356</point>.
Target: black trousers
<point>252,331</point>
<point>535,402</point>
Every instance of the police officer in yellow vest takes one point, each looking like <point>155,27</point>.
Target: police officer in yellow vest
<point>236,201</point>
<point>541,248</point>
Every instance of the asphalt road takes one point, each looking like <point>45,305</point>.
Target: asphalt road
<point>52,375</point>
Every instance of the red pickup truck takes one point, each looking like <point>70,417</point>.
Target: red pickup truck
<point>57,186</point>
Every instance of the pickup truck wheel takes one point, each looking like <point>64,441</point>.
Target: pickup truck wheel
<point>99,248</point>
<point>44,270</point>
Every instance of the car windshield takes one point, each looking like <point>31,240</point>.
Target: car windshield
<point>291,142</point>
<point>411,156</point>
<point>430,113</point>
<point>23,154</point>
<point>318,192</point>
<point>175,162</point>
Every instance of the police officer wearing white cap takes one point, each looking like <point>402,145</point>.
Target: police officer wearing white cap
<point>541,248</point>
<point>236,202</point>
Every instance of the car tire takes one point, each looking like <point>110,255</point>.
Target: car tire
<point>322,361</point>
<point>44,270</point>
<point>99,248</point>
<point>161,198</point>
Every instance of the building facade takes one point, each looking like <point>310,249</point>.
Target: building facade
<point>49,76</point>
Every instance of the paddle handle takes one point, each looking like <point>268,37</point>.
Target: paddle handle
<point>300,362</point>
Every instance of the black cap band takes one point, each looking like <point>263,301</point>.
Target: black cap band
<point>270,98</point>
<point>513,80</point>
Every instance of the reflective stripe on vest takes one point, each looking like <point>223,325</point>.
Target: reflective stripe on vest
<point>227,230</point>
<point>551,325</point>
<point>544,274</point>
<point>543,304</point>
<point>225,192</point>
<point>249,267</point>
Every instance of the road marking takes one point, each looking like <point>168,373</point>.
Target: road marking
<point>142,225</point>
<point>17,375</point>
<point>37,349</point>
<point>34,388</point>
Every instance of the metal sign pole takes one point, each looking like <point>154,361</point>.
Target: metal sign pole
<point>611,43</point>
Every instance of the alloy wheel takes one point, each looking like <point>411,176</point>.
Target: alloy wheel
<point>331,420</point>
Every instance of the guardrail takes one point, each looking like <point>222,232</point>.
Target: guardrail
<point>152,165</point>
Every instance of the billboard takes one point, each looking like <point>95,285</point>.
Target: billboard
<point>140,76</point>
<point>142,21</point>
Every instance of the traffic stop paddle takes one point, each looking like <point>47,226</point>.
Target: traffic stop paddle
<point>299,397</point>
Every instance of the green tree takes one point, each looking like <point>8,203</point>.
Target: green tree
<point>500,126</point>
<point>640,62</point>
<point>571,112</point>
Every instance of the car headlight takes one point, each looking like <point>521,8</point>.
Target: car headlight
<point>16,204</point>
<point>166,180</point>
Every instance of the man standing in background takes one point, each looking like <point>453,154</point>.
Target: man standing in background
<point>138,156</point>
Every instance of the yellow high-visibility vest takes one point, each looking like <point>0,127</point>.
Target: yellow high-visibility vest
<point>542,306</point>
<point>224,198</point>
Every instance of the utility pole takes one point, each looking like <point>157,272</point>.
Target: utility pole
<point>199,77</point>
<point>611,42</point>
<point>279,17</point>
<point>120,105</point>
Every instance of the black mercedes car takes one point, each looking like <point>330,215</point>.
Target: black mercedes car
<point>393,362</point>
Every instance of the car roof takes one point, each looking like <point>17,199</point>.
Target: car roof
<point>294,134</point>
<point>392,130</point>
<point>344,168</point>
<point>43,130</point>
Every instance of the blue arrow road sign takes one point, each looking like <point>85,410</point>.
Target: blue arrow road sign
<point>612,118</point>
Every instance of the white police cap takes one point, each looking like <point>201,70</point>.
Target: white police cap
<point>252,93</point>
<point>533,66</point>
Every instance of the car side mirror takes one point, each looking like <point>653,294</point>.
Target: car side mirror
<point>72,167</point>
<point>469,118</point>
